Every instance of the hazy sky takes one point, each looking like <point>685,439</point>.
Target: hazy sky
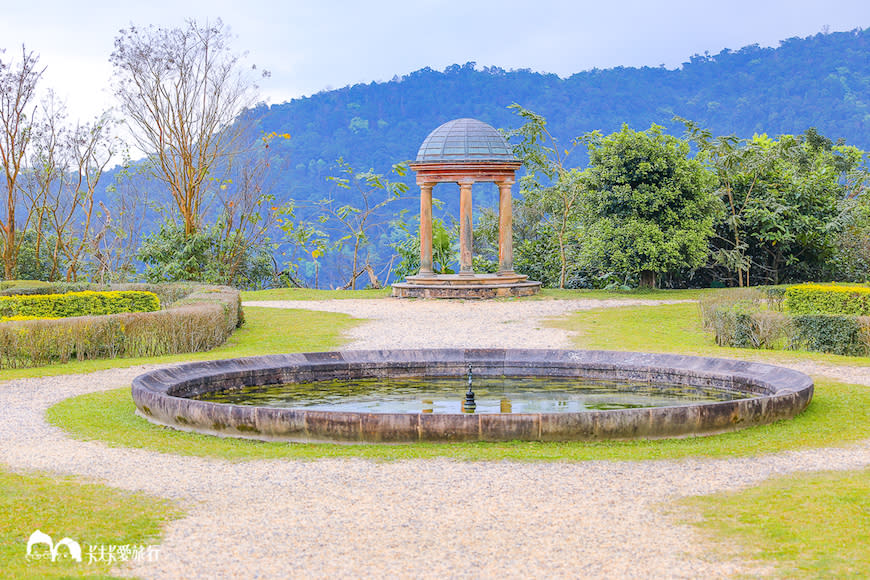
<point>320,44</point>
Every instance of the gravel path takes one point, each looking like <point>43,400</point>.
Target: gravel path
<point>433,518</point>
<point>396,323</point>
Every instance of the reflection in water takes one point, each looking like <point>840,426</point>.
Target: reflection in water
<point>491,395</point>
<point>504,406</point>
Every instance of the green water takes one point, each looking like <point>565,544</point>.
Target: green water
<point>492,395</point>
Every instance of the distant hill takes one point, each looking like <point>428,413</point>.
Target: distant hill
<point>822,81</point>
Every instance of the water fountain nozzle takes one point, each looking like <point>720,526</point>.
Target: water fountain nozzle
<point>469,404</point>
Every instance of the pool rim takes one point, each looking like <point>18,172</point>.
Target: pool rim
<point>159,395</point>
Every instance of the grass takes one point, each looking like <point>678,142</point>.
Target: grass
<point>64,507</point>
<point>266,331</point>
<point>636,293</point>
<point>806,526</point>
<point>839,414</point>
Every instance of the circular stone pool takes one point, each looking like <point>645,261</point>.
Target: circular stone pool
<point>712,396</point>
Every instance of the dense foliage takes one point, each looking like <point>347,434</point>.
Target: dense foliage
<point>747,320</point>
<point>821,81</point>
<point>649,208</point>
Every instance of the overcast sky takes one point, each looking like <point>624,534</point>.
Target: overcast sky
<point>314,45</point>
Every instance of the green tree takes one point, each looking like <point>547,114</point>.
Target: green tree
<point>302,242</point>
<point>786,201</point>
<point>549,185</point>
<point>208,255</point>
<point>408,246</point>
<point>649,209</point>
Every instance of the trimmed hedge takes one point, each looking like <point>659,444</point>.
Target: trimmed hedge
<point>740,321</point>
<point>201,320</point>
<point>828,299</point>
<point>832,333</point>
<point>87,303</point>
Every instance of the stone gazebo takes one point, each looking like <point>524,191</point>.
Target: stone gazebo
<point>466,151</point>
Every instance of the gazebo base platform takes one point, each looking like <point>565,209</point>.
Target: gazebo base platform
<point>465,286</point>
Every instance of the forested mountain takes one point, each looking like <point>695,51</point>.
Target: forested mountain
<point>822,81</point>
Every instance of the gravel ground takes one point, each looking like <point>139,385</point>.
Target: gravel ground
<point>432,518</point>
<point>396,323</point>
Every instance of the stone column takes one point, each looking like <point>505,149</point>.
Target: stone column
<point>465,235</point>
<point>426,228</point>
<point>505,228</point>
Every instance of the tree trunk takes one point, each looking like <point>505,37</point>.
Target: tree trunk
<point>9,251</point>
<point>373,279</point>
<point>647,279</point>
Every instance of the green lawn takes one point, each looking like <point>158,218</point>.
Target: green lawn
<point>309,294</point>
<point>813,525</point>
<point>86,513</point>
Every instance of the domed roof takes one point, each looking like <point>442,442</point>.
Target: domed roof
<point>464,140</point>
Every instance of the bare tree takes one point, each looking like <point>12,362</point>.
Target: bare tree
<point>17,89</point>
<point>64,167</point>
<point>247,210</point>
<point>181,89</point>
<point>118,230</point>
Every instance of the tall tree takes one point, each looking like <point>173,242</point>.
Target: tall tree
<point>650,209</point>
<point>18,83</point>
<point>181,90</point>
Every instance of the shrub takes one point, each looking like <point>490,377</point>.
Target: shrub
<point>709,305</point>
<point>87,303</point>
<point>829,333</point>
<point>739,319</point>
<point>775,296</point>
<point>828,299</point>
<point>203,319</point>
<point>864,335</point>
<point>741,327</point>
